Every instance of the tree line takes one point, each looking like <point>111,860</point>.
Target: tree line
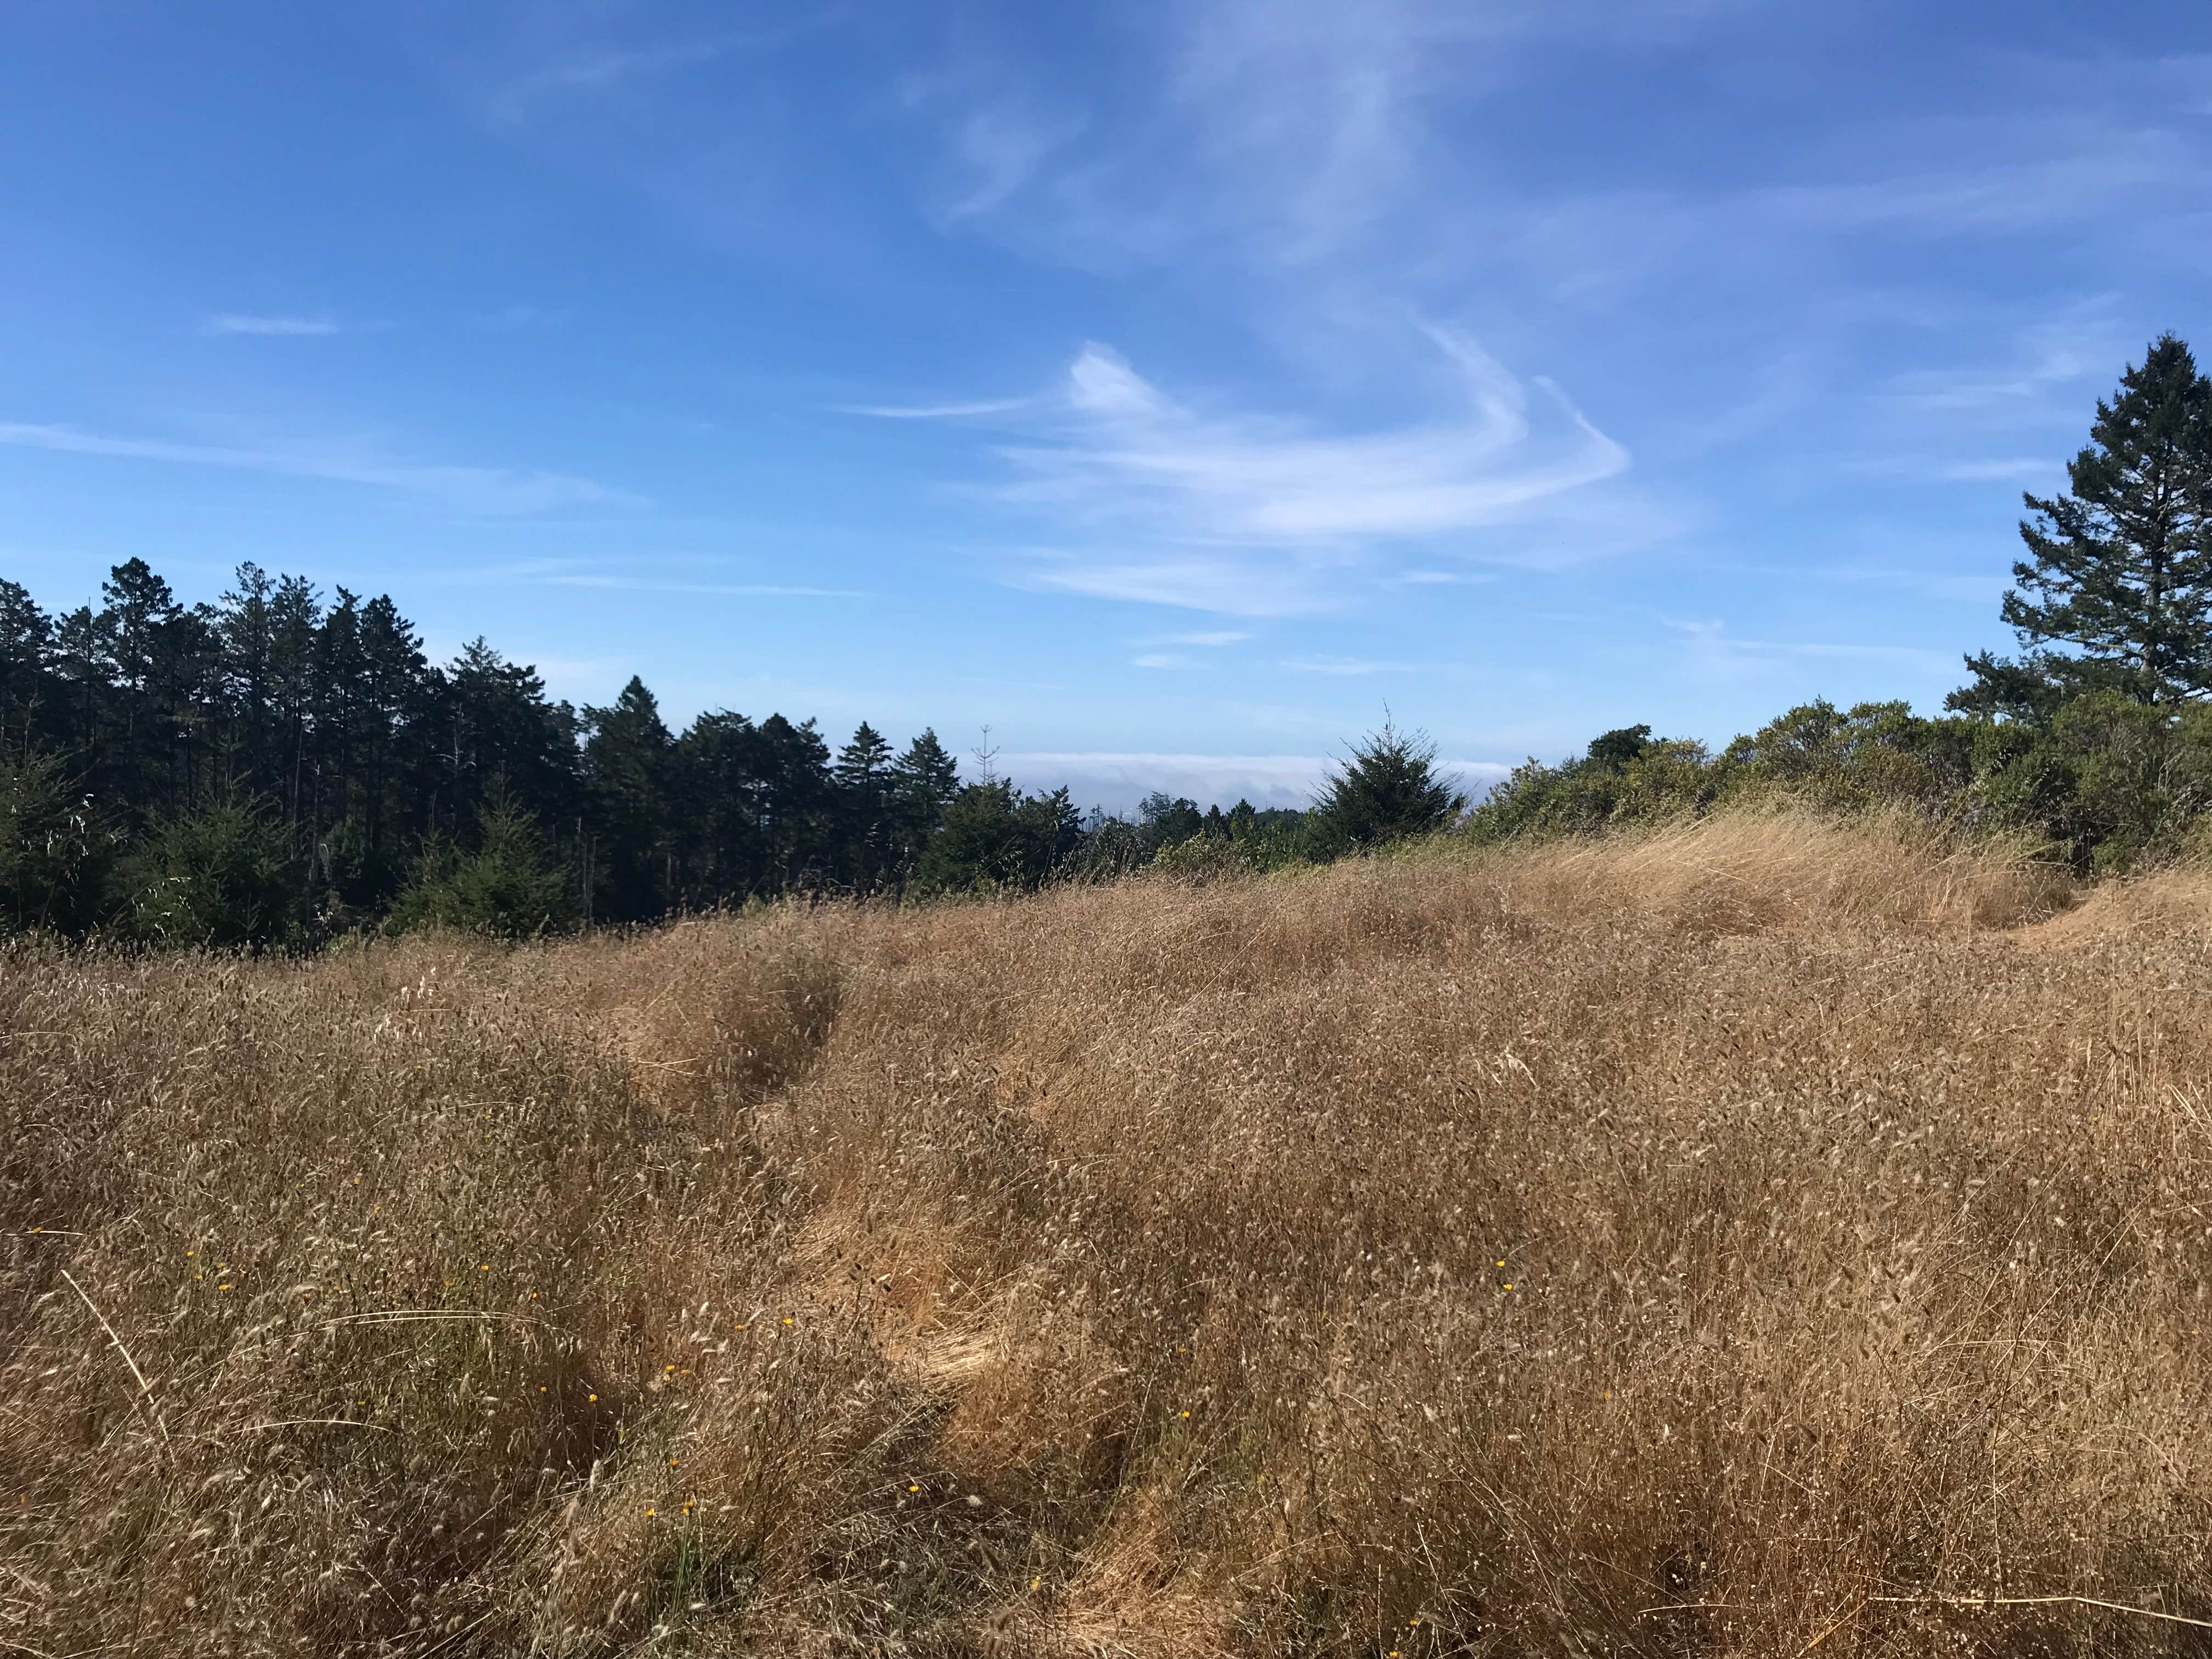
<point>277,767</point>
<point>2095,737</point>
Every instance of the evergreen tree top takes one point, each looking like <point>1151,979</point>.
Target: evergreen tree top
<point>2120,565</point>
<point>1388,789</point>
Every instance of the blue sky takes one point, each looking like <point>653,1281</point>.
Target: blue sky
<point>1167,388</point>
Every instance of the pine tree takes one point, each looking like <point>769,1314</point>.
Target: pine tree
<point>719,825</point>
<point>339,685</point>
<point>867,827</point>
<point>85,699</point>
<point>27,638</point>
<point>392,711</point>
<point>924,780</point>
<point>54,850</point>
<point>2120,572</point>
<point>995,837</point>
<point>797,802</point>
<point>156,657</point>
<point>246,640</point>
<point>1166,820</point>
<point>219,873</point>
<point>512,886</point>
<point>296,620</point>
<point>1388,790</point>
<point>629,767</point>
<point>493,720</point>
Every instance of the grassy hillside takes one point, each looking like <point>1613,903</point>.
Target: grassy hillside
<point>1659,1247</point>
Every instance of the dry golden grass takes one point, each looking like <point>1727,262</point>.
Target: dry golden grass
<point>1665,1246</point>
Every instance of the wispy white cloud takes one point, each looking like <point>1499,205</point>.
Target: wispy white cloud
<point>232,322</point>
<point>501,490</point>
<point>1713,645</point>
<point>1215,639</point>
<point>1153,498</point>
<point>1965,587</point>
<point>1210,638</point>
<point>1128,447</point>
<point>1230,584</point>
<point>2057,354</point>
<point>2018,468</point>
<point>1947,469</point>
<point>952,411</point>
<point>1441,578</point>
<point>998,150</point>
<point>1346,666</point>
<point>726,590</point>
<point>576,573</point>
<point>596,66</point>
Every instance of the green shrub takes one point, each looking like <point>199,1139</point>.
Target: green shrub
<point>1874,754</point>
<point>1386,790</point>
<point>54,850</point>
<point>1111,850</point>
<point>2112,782</point>
<point>221,873</point>
<point>995,837</point>
<point>1626,777</point>
<point>511,886</point>
<point>1202,859</point>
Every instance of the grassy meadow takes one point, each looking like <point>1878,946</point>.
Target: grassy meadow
<point>1737,1240</point>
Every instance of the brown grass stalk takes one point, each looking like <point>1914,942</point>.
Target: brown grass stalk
<point>1652,1246</point>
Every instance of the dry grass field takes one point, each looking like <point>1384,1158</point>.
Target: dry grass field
<point>1759,1237</point>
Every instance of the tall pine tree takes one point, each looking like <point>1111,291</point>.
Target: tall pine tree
<point>868,832</point>
<point>629,766</point>
<point>924,780</point>
<point>2118,588</point>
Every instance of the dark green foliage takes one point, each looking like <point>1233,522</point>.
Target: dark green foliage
<point>1616,748</point>
<point>797,806</point>
<point>26,642</point>
<point>757,810</point>
<point>996,838</point>
<point>2029,687</point>
<point>362,760</point>
<point>1216,844</point>
<point>490,718</point>
<point>629,784</point>
<point>869,839</point>
<point>1871,755</point>
<point>1112,848</point>
<point>1386,790</point>
<point>512,885</point>
<point>2120,566</point>
<point>221,872</point>
<point>54,851</point>
<point>724,840</point>
<point>2112,782</point>
<point>273,769</point>
<point>924,780</point>
<point>1618,782</point>
<point>2105,783</point>
<point>1167,821</point>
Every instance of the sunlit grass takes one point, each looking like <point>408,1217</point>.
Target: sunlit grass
<point>1665,1246</point>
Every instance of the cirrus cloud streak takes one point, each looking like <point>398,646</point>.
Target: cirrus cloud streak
<point>496,491</point>
<point>1147,496</point>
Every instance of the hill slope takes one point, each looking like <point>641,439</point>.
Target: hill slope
<point>1661,1246</point>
